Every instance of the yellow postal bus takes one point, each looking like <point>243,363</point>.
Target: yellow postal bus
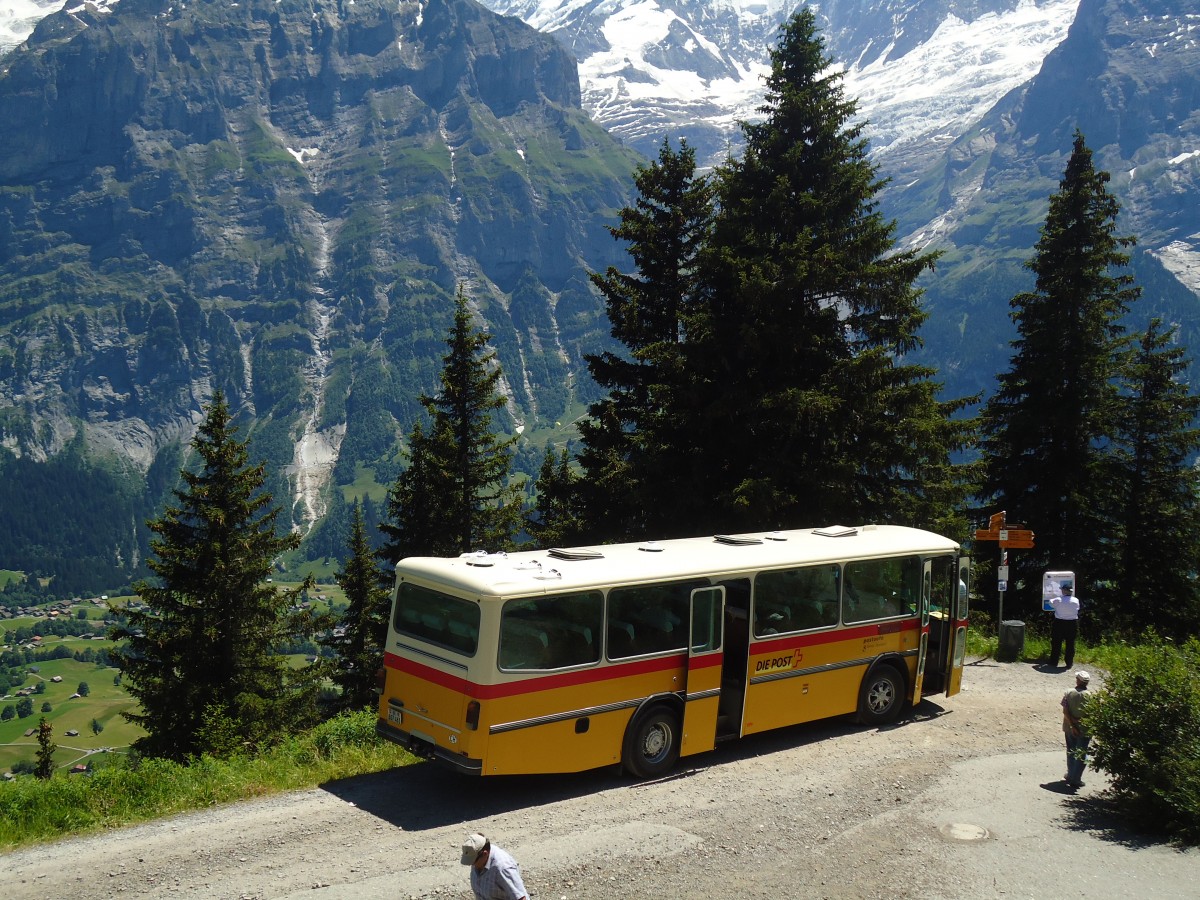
<point>569,659</point>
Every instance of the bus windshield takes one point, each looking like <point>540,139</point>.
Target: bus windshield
<point>428,615</point>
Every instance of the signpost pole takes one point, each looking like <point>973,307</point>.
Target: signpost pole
<point>1003,580</point>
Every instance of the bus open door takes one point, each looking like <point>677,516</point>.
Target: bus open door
<point>958,635</point>
<point>702,692</point>
<point>923,644</point>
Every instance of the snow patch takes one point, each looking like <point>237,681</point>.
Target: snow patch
<point>957,75</point>
<point>305,154</point>
<point>1182,259</point>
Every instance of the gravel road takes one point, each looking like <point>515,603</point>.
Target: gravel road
<point>962,799</point>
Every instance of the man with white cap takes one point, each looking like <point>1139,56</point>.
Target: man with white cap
<point>495,875</point>
<point>1074,702</point>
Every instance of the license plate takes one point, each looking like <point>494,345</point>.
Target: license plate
<point>395,716</point>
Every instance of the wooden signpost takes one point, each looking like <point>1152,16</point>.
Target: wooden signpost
<point>1015,537</point>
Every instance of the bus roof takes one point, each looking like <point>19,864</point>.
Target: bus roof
<point>556,570</point>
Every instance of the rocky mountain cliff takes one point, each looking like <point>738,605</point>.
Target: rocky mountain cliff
<point>279,198</point>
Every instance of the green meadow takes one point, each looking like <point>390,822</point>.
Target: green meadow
<point>104,704</point>
<point>106,699</point>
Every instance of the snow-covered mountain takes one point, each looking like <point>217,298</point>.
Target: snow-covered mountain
<point>19,17</point>
<point>923,70</point>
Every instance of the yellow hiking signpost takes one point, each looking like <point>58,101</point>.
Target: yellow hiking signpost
<point>1014,537</point>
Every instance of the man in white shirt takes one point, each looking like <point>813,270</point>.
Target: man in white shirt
<point>1065,625</point>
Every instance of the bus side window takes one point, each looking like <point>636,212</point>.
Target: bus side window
<point>566,628</point>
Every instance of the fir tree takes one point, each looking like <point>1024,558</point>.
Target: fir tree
<point>201,657</point>
<point>45,755</point>
<point>1158,538</point>
<point>1048,429</point>
<point>420,522</point>
<point>455,496</point>
<point>362,633</point>
<point>812,416</point>
<point>555,520</point>
<point>636,438</point>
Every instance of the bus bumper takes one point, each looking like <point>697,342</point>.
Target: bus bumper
<point>423,748</point>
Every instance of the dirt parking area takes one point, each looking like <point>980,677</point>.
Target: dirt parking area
<point>961,799</point>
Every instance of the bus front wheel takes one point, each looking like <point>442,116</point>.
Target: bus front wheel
<point>882,696</point>
<point>652,743</point>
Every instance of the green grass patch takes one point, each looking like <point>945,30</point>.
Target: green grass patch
<point>123,793</point>
<point>9,575</point>
<point>364,485</point>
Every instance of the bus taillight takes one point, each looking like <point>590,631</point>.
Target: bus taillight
<point>381,679</point>
<point>473,715</point>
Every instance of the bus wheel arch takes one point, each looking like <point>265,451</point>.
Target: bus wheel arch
<point>652,740</point>
<point>881,698</point>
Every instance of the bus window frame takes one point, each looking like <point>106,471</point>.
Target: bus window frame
<point>557,624</point>
<point>397,623</point>
<point>685,588</point>
<point>764,635</point>
<point>914,609</point>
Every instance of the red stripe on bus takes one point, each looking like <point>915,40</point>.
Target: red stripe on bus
<point>536,683</point>
<point>791,642</point>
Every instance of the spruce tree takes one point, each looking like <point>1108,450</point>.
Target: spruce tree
<point>201,656</point>
<point>456,496</point>
<point>362,634</point>
<point>637,439</point>
<point>811,414</point>
<point>1158,536</point>
<point>1048,429</point>
<point>555,520</point>
<point>46,747</point>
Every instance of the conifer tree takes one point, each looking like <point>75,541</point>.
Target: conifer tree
<point>636,439</point>
<point>201,657</point>
<point>555,520</point>
<point>1048,428</point>
<point>455,496</point>
<point>767,329</point>
<point>362,634</point>
<point>1158,538</point>
<point>44,768</point>
<point>812,416</point>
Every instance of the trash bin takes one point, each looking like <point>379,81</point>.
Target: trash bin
<point>1012,640</point>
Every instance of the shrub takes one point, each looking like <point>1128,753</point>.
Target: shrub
<point>350,729</point>
<point>1146,724</point>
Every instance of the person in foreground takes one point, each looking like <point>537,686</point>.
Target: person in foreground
<point>1074,702</point>
<point>495,875</point>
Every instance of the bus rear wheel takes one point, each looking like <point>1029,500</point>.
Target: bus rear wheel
<point>652,743</point>
<point>881,697</point>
